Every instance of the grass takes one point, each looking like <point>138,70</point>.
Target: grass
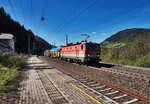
<point>112,45</point>
<point>133,53</point>
<point>118,57</point>
<point>9,71</point>
<point>143,62</point>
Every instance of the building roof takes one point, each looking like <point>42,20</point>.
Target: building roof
<point>6,36</point>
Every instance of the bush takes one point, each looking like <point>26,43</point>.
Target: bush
<point>9,66</point>
<point>125,57</point>
<point>143,62</point>
<point>12,61</point>
<point>136,52</point>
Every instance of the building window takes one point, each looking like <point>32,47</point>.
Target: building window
<point>82,47</point>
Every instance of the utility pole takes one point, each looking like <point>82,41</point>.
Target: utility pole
<point>54,45</point>
<point>28,44</point>
<point>66,39</point>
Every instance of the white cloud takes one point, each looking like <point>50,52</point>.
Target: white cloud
<point>93,32</point>
<point>103,34</point>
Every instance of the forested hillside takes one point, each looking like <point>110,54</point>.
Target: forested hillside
<point>41,45</point>
<point>7,25</point>
<point>124,37</point>
<point>134,48</point>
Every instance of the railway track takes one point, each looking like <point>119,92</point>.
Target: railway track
<point>122,71</point>
<point>116,94</point>
<point>143,77</point>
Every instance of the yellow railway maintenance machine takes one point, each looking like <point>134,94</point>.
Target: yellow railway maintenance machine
<point>54,53</point>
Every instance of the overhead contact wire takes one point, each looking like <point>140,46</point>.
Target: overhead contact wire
<point>42,15</point>
<point>32,13</point>
<point>124,12</point>
<point>12,10</point>
<point>75,17</point>
<point>74,10</point>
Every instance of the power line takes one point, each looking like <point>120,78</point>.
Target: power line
<point>124,12</point>
<point>75,17</point>
<point>42,15</point>
<point>128,11</point>
<point>111,17</point>
<point>38,27</point>
<point>74,10</point>
<point>22,10</point>
<point>28,3</point>
<point>12,10</point>
<point>44,10</point>
<point>124,20</point>
<point>127,19</point>
<point>32,13</point>
<point>121,13</point>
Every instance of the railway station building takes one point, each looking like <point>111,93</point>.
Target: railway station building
<point>7,43</point>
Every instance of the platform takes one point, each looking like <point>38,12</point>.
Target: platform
<point>42,84</point>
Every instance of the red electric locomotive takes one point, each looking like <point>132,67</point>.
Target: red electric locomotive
<point>84,52</point>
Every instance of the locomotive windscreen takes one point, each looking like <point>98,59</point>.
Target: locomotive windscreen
<point>91,46</point>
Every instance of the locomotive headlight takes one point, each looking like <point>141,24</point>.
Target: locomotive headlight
<point>88,55</point>
<point>98,55</point>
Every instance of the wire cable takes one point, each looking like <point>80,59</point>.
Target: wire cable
<point>75,18</point>
<point>12,9</point>
<point>28,3</point>
<point>126,19</point>
<point>42,15</point>
<point>98,37</point>
<point>111,17</point>
<point>124,12</point>
<point>32,13</point>
<point>74,10</point>
<point>22,10</point>
<point>44,10</point>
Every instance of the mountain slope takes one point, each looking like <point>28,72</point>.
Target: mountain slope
<point>8,25</point>
<point>124,37</point>
<point>41,45</point>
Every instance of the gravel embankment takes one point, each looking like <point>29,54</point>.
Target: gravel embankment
<point>137,86</point>
<point>140,70</point>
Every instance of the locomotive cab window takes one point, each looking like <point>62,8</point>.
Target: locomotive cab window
<point>90,46</point>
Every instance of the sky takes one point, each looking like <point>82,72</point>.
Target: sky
<point>97,18</point>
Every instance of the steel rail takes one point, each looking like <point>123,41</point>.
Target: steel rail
<point>101,82</point>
